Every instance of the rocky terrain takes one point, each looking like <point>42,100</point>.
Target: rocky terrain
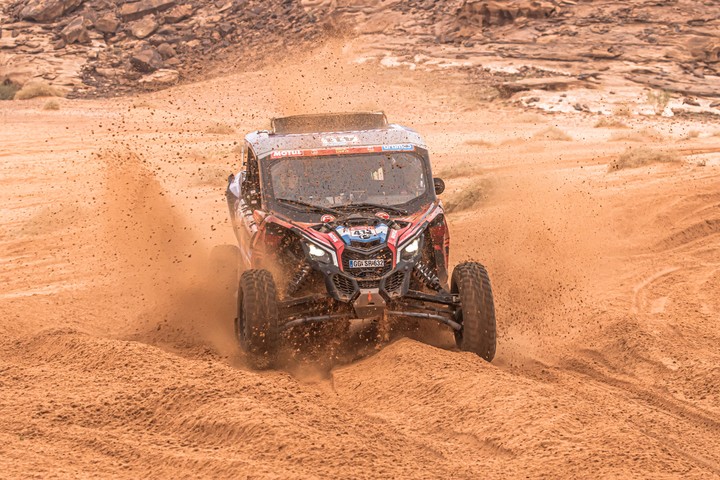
<point>113,47</point>
<point>108,47</point>
<point>637,49</point>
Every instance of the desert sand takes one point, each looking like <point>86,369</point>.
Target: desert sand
<point>118,361</point>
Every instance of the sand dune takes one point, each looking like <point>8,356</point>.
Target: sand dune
<point>117,360</point>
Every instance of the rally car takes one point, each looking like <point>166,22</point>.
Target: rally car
<point>337,219</point>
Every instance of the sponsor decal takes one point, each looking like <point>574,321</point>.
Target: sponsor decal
<point>327,218</point>
<point>383,215</point>
<point>402,147</point>
<point>318,152</point>
<point>286,153</point>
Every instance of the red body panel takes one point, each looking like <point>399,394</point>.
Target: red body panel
<point>264,245</point>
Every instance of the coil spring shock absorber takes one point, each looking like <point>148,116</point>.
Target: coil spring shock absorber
<point>301,274</point>
<point>426,275</point>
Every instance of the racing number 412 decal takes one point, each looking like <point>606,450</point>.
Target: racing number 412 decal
<point>364,233</point>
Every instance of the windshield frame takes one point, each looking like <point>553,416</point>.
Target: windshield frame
<point>411,206</point>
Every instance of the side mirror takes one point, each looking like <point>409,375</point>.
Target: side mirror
<point>439,185</point>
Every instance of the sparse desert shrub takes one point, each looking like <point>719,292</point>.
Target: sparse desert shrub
<point>552,133</point>
<point>622,110</point>
<point>38,89</point>
<point>51,105</point>
<point>644,135</point>
<point>8,90</point>
<point>637,157</point>
<point>478,143</point>
<point>659,100</point>
<point>529,117</point>
<point>512,142</point>
<point>606,122</point>
<point>142,104</point>
<point>220,129</point>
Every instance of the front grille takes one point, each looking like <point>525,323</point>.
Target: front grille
<point>344,285</point>
<point>394,281</point>
<point>365,245</point>
<point>371,272</point>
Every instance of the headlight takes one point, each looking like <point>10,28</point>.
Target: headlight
<point>410,250</point>
<point>318,254</point>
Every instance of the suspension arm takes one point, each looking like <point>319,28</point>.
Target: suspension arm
<point>443,298</point>
<point>430,316</point>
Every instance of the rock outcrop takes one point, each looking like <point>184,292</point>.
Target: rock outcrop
<point>144,27</point>
<point>47,10</point>
<point>106,46</point>
<point>495,13</point>
<point>75,31</point>
<point>103,47</point>
<point>108,23</point>
<point>136,10</point>
<point>147,60</point>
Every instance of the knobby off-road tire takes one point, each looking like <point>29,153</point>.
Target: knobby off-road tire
<point>471,281</point>
<point>257,324</point>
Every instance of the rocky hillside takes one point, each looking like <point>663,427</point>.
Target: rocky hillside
<point>672,45</point>
<point>114,46</point>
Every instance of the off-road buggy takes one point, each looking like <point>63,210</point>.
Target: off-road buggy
<point>337,218</point>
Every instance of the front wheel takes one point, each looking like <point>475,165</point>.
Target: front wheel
<point>257,323</point>
<point>476,314</point>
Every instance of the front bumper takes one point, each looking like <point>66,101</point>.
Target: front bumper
<point>368,295</point>
<point>440,306</point>
<point>345,287</point>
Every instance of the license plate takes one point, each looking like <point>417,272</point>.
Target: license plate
<point>366,263</point>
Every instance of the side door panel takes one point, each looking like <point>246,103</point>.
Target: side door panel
<point>249,202</point>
